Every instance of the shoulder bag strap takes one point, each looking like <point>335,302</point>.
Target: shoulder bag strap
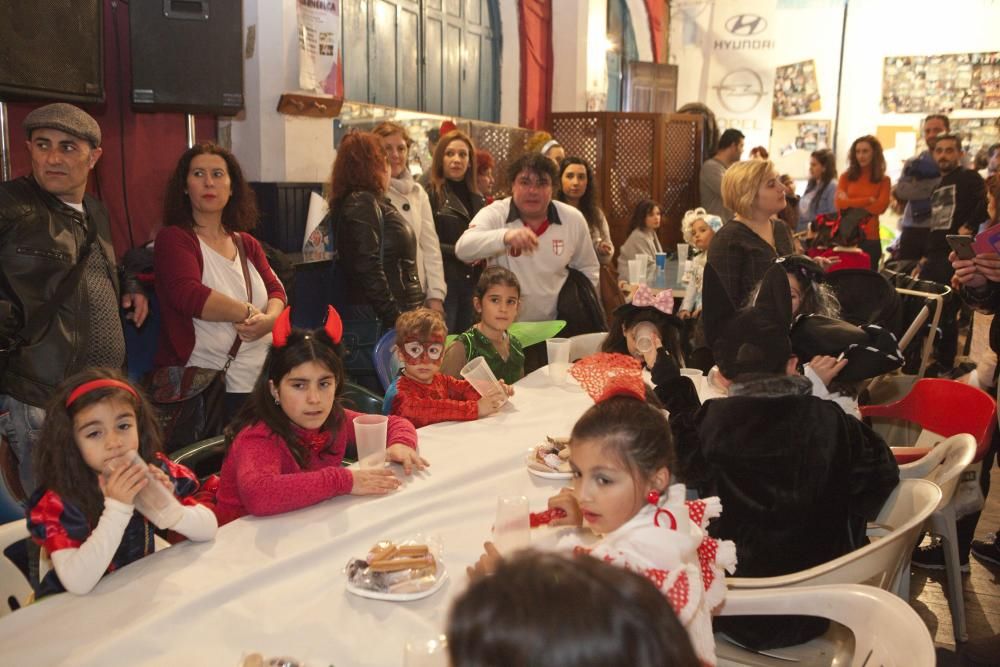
<point>45,314</point>
<point>241,251</point>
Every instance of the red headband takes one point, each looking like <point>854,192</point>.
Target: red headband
<point>88,387</point>
<point>333,326</point>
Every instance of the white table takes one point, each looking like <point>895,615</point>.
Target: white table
<point>275,585</point>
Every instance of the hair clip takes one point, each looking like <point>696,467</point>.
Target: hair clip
<point>662,301</point>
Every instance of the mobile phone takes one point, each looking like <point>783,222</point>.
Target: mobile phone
<point>962,245</point>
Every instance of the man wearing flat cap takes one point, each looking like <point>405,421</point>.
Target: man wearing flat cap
<point>59,283</point>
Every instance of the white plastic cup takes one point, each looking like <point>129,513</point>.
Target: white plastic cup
<point>155,501</point>
<point>512,529</point>
<point>682,257</point>
<point>370,432</point>
<point>697,377</point>
<point>426,652</point>
<point>637,271</point>
<point>557,350</point>
<point>479,374</point>
<point>644,334</point>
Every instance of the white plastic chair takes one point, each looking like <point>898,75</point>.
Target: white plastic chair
<point>584,345</point>
<point>944,466</point>
<point>878,563</point>
<point>12,581</point>
<point>871,628</point>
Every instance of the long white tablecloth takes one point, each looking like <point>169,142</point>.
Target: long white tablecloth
<point>275,585</point>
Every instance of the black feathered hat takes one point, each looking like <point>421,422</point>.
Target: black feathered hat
<point>870,350</point>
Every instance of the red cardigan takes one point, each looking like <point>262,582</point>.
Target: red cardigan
<point>260,475</point>
<point>178,266</point>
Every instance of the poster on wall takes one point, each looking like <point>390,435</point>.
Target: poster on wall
<point>941,83</point>
<point>792,141</point>
<point>796,90</point>
<point>977,134</point>
<point>319,46</point>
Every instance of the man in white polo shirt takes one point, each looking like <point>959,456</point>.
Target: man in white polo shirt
<point>536,238</point>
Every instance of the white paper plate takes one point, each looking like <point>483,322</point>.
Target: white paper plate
<point>442,575</point>
<point>530,457</point>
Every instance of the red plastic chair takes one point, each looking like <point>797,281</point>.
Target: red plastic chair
<point>945,407</point>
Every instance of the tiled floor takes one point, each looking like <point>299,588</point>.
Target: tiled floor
<point>982,591</point>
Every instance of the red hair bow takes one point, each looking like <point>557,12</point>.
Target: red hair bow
<point>607,374</point>
<point>333,326</point>
<point>645,298</point>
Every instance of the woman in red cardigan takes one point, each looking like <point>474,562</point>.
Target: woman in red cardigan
<point>865,185</point>
<point>204,302</point>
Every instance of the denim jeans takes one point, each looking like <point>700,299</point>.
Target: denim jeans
<point>20,425</point>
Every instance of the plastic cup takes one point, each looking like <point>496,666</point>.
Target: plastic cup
<point>370,435</point>
<point>644,334</point>
<point>637,271</point>
<point>155,501</point>
<point>557,350</point>
<point>697,377</point>
<point>479,374</point>
<point>682,256</point>
<point>512,529</point>
<point>426,652</point>
<point>661,261</point>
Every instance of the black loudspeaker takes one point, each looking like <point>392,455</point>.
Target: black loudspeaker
<point>52,49</point>
<point>187,55</point>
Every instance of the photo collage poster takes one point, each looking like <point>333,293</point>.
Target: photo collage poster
<point>941,83</point>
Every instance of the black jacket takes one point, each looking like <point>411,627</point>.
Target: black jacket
<point>451,219</point>
<point>385,277</point>
<point>40,240</point>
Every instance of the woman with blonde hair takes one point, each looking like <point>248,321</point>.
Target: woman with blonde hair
<point>747,245</point>
<point>454,196</point>
<point>411,201</point>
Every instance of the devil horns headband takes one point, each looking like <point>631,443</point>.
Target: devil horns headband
<point>333,327</point>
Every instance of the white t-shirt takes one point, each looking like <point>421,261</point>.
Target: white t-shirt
<point>212,340</point>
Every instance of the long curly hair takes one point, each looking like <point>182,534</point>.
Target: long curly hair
<point>436,175</point>
<point>359,165</point>
<point>59,465</point>
<point>302,347</point>
<point>588,202</point>
<point>878,159</point>
<point>240,213</point>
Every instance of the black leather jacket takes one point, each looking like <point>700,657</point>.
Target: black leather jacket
<point>388,284</point>
<point>40,240</point>
<point>451,219</point>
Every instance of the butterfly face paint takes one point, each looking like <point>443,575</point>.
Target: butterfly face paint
<point>422,358</point>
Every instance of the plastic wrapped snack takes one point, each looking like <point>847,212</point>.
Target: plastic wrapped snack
<point>552,456</point>
<point>390,568</point>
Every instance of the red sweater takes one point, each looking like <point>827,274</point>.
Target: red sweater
<point>260,475</point>
<point>178,266</point>
<point>444,399</point>
<point>859,194</point>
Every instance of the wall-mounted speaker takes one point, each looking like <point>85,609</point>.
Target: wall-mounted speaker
<point>187,55</point>
<point>52,49</point>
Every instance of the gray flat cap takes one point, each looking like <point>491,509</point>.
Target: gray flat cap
<point>66,117</point>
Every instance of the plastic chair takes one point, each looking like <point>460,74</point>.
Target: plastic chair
<point>871,627</point>
<point>204,457</point>
<point>14,587</point>
<point>386,363</point>
<point>878,563</point>
<point>944,466</point>
<point>584,345</point>
<point>942,408</point>
<point>360,399</point>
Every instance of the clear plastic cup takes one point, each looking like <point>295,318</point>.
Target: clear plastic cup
<point>682,259</point>
<point>637,271</point>
<point>426,652</point>
<point>479,374</point>
<point>557,350</point>
<point>644,334</point>
<point>155,501</point>
<point>512,529</point>
<point>370,432</point>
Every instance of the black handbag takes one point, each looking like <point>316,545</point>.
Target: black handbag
<point>190,401</point>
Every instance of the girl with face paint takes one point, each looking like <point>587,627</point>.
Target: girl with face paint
<point>422,393</point>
